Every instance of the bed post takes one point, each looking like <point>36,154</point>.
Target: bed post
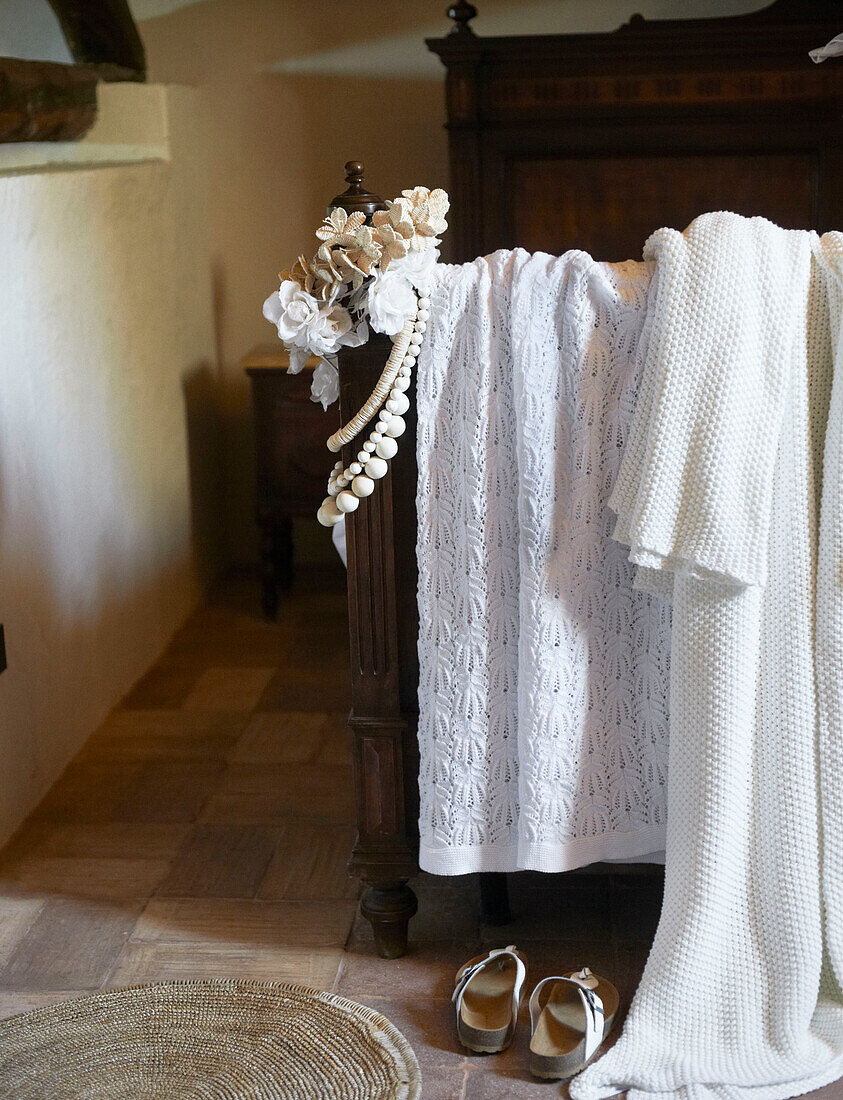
<point>379,729</point>
<point>382,732</point>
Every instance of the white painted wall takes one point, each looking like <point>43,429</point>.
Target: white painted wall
<point>106,351</point>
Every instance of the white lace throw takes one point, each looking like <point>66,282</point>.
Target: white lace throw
<point>730,494</point>
<point>543,675</point>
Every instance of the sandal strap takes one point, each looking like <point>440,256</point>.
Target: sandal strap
<point>469,973</point>
<point>595,1019</point>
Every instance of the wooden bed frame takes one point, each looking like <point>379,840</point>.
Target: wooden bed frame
<point>588,141</point>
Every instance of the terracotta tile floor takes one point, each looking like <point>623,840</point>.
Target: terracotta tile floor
<point>203,832</point>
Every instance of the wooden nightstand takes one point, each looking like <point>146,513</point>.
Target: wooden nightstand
<point>292,461</point>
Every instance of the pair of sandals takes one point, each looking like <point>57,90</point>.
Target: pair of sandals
<point>570,1016</point>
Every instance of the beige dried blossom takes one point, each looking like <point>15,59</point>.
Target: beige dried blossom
<point>339,228</point>
<point>326,273</point>
<point>436,200</point>
<point>397,217</point>
<point>350,261</point>
<point>317,278</point>
<point>300,274</point>
<point>325,262</point>
<point>349,273</point>
<point>366,251</point>
<point>393,245</point>
<point>351,251</point>
<point>426,210</point>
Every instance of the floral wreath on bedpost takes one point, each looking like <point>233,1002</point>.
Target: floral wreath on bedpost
<point>363,275</point>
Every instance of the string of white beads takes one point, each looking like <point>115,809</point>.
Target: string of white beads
<point>347,487</point>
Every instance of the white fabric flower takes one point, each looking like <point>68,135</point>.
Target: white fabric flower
<point>834,48</point>
<point>305,322</point>
<point>416,267</point>
<point>298,358</point>
<point>325,386</point>
<point>391,301</point>
<point>357,336</point>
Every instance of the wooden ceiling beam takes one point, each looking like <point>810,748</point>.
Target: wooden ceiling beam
<point>45,101</point>
<point>103,35</point>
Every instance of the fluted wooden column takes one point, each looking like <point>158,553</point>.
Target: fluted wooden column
<point>383,725</point>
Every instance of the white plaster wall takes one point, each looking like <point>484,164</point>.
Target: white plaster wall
<point>106,353</point>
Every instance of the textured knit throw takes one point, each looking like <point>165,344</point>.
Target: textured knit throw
<point>543,674</point>
<point>729,495</point>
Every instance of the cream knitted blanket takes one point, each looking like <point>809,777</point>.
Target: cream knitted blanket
<point>729,494</point>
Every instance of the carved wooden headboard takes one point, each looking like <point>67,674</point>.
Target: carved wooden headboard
<point>594,140</point>
<point>587,141</point>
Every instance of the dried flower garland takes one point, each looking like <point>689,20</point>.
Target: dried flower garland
<point>378,272</point>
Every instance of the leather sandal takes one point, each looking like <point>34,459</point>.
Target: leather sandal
<point>487,996</point>
<point>570,1017</point>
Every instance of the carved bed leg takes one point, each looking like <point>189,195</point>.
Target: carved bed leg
<point>494,899</point>
<point>388,906</point>
<point>382,855</point>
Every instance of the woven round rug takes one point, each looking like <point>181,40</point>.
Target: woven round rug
<point>209,1040</point>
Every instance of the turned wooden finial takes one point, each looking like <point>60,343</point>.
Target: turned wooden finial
<point>462,13</point>
<point>356,197</point>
